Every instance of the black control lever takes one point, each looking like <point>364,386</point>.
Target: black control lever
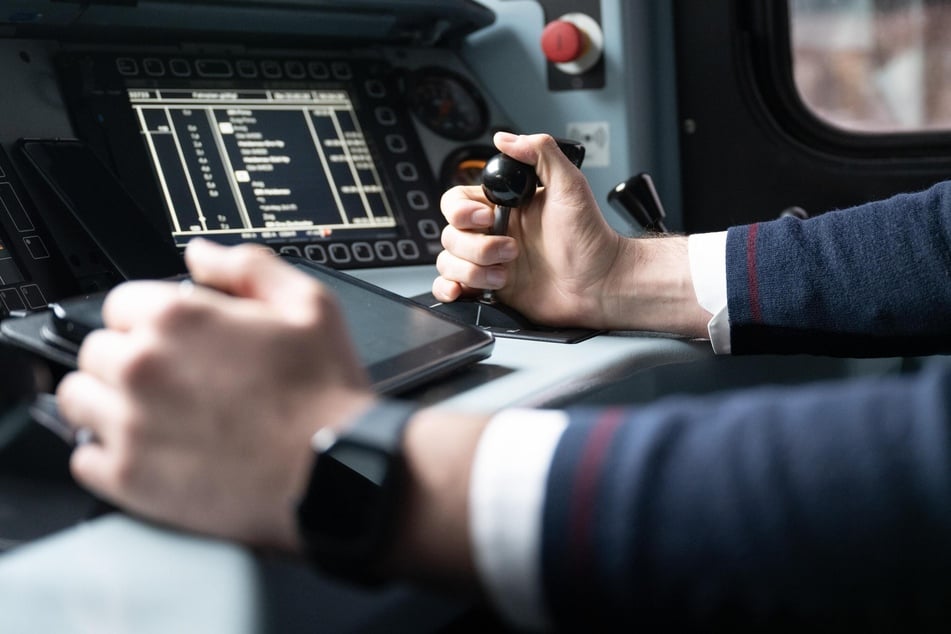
<point>637,198</point>
<point>509,183</point>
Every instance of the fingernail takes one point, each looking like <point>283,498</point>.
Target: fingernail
<point>505,137</point>
<point>507,252</point>
<point>482,217</point>
<point>495,278</point>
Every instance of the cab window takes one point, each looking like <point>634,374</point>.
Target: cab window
<point>874,66</point>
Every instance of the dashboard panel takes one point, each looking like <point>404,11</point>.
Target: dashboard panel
<point>338,155</point>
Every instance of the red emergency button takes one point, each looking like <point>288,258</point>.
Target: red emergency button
<point>563,42</point>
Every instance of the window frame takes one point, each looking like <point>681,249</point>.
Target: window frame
<point>773,74</point>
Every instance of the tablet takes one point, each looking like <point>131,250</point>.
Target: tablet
<point>401,343</point>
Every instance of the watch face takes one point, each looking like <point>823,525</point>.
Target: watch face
<point>346,504</point>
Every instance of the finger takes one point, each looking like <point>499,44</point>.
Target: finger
<point>467,208</point>
<point>85,402</point>
<point>133,302</point>
<point>93,466</point>
<point>551,165</point>
<point>446,290</point>
<point>468,274</point>
<point>449,291</point>
<point>478,248</point>
<point>88,404</point>
<point>249,271</point>
<point>106,355</point>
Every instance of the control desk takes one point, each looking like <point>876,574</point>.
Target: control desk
<point>324,132</point>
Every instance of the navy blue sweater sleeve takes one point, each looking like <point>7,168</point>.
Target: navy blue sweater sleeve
<point>873,280</point>
<point>825,505</point>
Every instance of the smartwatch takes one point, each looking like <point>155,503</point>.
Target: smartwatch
<point>348,515</point>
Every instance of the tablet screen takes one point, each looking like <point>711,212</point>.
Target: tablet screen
<point>400,342</point>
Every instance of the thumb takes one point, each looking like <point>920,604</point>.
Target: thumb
<point>554,169</point>
<point>247,271</point>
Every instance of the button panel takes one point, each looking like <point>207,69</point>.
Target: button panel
<point>32,269</point>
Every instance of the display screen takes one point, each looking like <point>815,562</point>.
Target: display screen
<point>263,165</point>
<point>315,156</point>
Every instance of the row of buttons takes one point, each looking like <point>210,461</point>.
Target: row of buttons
<point>26,296</point>
<point>214,68</point>
<point>362,252</point>
<point>31,299</point>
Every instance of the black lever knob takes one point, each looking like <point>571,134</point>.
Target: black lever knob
<point>507,182</point>
<point>638,199</point>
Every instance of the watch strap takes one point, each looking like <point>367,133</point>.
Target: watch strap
<point>379,430</point>
<point>382,425</point>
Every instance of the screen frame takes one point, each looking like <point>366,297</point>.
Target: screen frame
<point>95,85</point>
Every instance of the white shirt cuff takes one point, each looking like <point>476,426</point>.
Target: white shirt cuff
<point>506,498</point>
<point>707,253</point>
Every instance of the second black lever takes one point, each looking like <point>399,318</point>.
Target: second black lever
<point>637,198</point>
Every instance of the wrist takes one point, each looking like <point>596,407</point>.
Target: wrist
<point>432,541</point>
<point>654,289</point>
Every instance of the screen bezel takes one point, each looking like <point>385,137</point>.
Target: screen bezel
<point>96,96</point>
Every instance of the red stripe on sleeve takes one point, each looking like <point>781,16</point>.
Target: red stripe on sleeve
<point>584,494</point>
<point>755,311</point>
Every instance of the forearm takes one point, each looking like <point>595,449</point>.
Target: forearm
<point>871,280</point>
<point>781,506</point>
<point>652,289</point>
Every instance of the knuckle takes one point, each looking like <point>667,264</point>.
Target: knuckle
<point>92,344</point>
<point>141,366</point>
<point>246,258</point>
<point>546,140</point>
<point>176,314</point>
<point>123,469</point>
<point>487,252</point>
<point>126,447</point>
<point>446,290</point>
<point>455,269</point>
<point>450,238</point>
<point>442,262</point>
<point>447,200</point>
<point>68,390</point>
<point>319,302</point>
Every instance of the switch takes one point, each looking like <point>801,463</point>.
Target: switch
<point>563,42</point>
<point>574,43</point>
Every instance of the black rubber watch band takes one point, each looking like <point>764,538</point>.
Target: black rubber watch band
<point>348,515</point>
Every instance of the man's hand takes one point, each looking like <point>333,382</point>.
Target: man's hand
<point>558,262</point>
<point>202,398</point>
<point>561,264</point>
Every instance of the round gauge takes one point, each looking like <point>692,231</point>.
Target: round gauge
<point>447,103</point>
<point>465,165</point>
